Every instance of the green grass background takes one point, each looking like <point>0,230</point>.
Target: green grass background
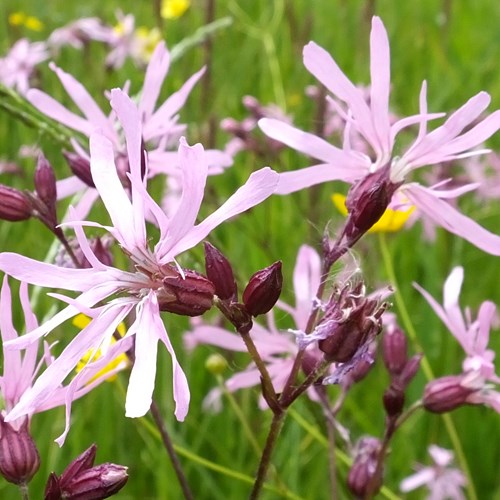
<point>455,46</point>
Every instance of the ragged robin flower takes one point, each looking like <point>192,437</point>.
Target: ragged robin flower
<point>156,281</point>
<point>383,174</point>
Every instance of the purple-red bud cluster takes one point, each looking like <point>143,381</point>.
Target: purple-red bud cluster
<point>259,296</point>
<point>81,480</point>
<point>351,320</point>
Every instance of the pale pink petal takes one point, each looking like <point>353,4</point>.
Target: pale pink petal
<point>422,477</point>
<point>153,80</point>
<point>310,145</point>
<point>486,316</point>
<point>86,299</point>
<point>458,332</point>
<point>155,126</point>
<point>90,337</point>
<point>86,104</point>
<point>142,378</point>
<point>128,114</point>
<point>214,335</point>
<point>55,110</point>
<point>110,188</point>
<point>194,175</point>
<point>180,384</point>
<point>452,220</point>
<point>47,275</point>
<point>289,182</point>
<point>319,62</point>
<point>69,186</point>
<point>427,151</point>
<point>11,360</point>
<point>452,287</point>
<point>380,71</point>
<point>306,278</point>
<point>473,137</point>
<point>260,185</point>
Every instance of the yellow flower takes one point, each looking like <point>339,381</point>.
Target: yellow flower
<point>391,222</point>
<point>148,40</point>
<point>172,9</point>
<point>21,19</point>
<point>81,321</point>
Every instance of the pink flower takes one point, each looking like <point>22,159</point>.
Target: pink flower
<point>122,292</point>
<point>443,482</point>
<point>160,128</point>
<point>461,132</point>
<point>80,32</point>
<point>18,66</point>
<point>19,371</point>
<point>473,336</point>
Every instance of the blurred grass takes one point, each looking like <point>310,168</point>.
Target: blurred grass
<point>455,46</point>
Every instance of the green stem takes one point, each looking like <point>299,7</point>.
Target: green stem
<point>265,461</point>
<point>426,367</point>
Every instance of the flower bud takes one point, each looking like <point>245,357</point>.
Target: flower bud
<point>410,370</point>
<point>188,296</point>
<point>361,475</point>
<point>14,204</point>
<point>367,201</point>
<point>394,350</point>
<point>394,400</point>
<point>263,289</point>
<point>19,459</point>
<point>101,481</point>
<point>81,463</point>
<point>446,393</point>
<point>80,166</point>
<point>45,183</point>
<point>216,364</point>
<point>81,481</point>
<point>345,337</point>
<point>52,488</point>
<point>220,273</point>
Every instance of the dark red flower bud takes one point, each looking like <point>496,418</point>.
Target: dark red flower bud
<point>81,481</point>
<point>14,204</point>
<point>395,350</point>
<point>45,183</point>
<point>410,370</point>
<point>52,488</point>
<point>80,167</point>
<point>81,463</point>
<point>220,273</point>
<point>361,475</point>
<point>394,401</point>
<point>447,393</point>
<point>188,296</point>
<point>101,481</point>
<point>263,289</point>
<point>367,201</point>
<point>19,459</point>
